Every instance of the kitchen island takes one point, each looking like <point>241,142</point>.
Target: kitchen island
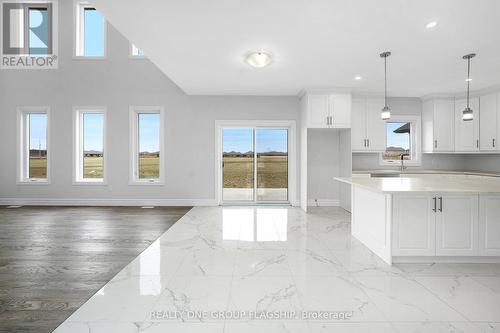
<point>427,218</point>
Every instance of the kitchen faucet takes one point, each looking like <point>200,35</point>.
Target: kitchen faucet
<point>403,161</point>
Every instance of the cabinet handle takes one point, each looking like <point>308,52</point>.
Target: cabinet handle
<point>368,142</point>
<point>441,204</point>
<point>493,143</point>
<point>477,143</point>
<point>434,206</point>
<point>435,143</point>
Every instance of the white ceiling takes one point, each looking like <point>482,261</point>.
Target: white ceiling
<point>316,43</point>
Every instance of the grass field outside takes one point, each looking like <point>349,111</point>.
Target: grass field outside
<point>272,172</point>
<point>38,167</point>
<point>93,167</point>
<point>149,167</point>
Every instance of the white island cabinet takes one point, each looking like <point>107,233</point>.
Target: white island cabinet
<point>421,219</point>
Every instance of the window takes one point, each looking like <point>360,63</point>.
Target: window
<point>136,52</point>
<point>147,145</point>
<point>33,145</point>
<point>90,32</point>
<point>90,145</point>
<point>403,135</point>
<point>29,28</point>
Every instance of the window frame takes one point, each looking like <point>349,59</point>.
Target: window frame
<point>134,145</point>
<point>131,52</point>
<point>415,141</point>
<point>22,148</point>
<point>78,141</point>
<point>79,31</point>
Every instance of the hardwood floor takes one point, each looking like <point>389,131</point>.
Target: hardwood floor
<point>53,259</point>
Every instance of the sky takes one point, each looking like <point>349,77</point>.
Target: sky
<point>149,132</point>
<point>93,129</point>
<point>241,140</point>
<point>38,33</point>
<point>93,39</point>
<point>397,139</point>
<point>38,131</point>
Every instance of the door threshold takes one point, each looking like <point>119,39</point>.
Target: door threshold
<point>287,204</point>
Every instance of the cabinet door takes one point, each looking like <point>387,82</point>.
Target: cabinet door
<point>467,132</point>
<point>489,225</point>
<point>457,225</point>
<point>444,126</point>
<point>358,125</point>
<point>318,111</point>
<point>340,110</point>
<point>488,122</point>
<point>413,225</point>
<point>375,126</point>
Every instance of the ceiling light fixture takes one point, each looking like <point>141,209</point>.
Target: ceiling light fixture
<point>386,111</point>
<point>357,78</point>
<point>431,25</point>
<point>258,59</point>
<point>467,113</point>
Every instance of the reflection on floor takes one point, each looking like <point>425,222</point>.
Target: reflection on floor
<point>263,194</point>
<point>271,269</point>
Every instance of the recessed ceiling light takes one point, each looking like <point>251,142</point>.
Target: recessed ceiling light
<point>431,25</point>
<point>357,78</point>
<point>258,59</point>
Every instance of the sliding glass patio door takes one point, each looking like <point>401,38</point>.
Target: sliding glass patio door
<point>254,165</point>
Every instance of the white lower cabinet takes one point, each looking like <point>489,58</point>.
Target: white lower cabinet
<point>413,225</point>
<point>489,225</point>
<point>435,225</point>
<point>457,225</point>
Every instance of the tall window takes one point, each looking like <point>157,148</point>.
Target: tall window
<point>135,52</point>
<point>90,31</point>
<point>147,145</point>
<point>90,145</point>
<point>402,133</point>
<point>33,148</point>
<point>29,28</point>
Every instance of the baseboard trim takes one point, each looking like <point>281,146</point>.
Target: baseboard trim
<point>106,202</point>
<point>323,202</point>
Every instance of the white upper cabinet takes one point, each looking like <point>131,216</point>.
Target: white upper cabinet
<point>438,122</point>
<point>489,122</point>
<point>368,130</point>
<point>467,132</point>
<point>328,110</point>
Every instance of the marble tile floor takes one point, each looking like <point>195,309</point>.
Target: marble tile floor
<point>278,269</point>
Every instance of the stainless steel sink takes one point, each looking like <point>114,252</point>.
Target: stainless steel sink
<point>385,174</point>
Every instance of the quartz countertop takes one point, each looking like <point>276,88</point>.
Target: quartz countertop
<point>424,184</point>
<point>432,172</point>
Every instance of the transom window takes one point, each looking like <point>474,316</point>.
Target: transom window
<point>90,31</point>
<point>33,145</point>
<point>403,135</point>
<point>90,145</point>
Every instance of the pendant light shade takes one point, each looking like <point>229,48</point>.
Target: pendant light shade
<point>386,111</point>
<point>467,113</point>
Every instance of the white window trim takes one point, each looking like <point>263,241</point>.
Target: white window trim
<point>78,47</point>
<point>23,153</point>
<point>78,112</point>
<point>416,141</point>
<point>292,151</point>
<point>134,149</point>
<point>131,54</point>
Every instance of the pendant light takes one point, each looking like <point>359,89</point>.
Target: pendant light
<point>467,113</point>
<point>386,111</point>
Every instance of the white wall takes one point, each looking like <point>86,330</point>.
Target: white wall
<point>117,83</point>
<point>323,163</point>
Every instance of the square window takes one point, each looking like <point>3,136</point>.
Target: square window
<point>402,140</point>
<point>90,32</point>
